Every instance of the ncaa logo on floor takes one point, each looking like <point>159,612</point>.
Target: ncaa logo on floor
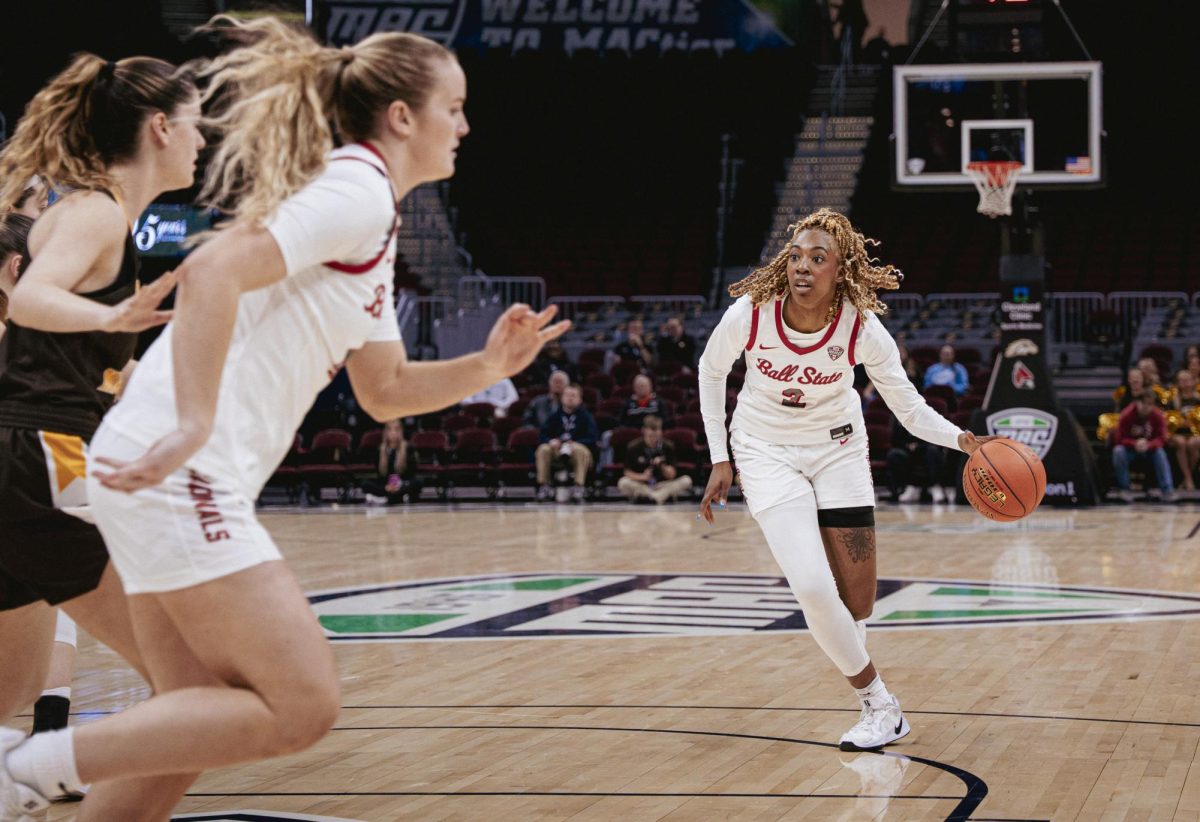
<point>539,606</point>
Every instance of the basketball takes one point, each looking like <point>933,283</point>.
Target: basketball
<point>1004,480</point>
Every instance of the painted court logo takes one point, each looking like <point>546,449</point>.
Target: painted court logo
<point>254,816</point>
<point>531,606</point>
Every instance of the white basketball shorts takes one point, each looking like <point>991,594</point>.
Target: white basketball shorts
<point>188,530</point>
<point>838,472</point>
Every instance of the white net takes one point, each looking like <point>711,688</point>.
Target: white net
<point>995,182</point>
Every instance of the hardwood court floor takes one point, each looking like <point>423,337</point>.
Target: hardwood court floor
<point>1092,715</point>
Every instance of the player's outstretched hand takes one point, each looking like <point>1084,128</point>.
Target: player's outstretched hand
<point>519,335</point>
<point>164,458</point>
<point>970,443</point>
<point>717,491</point>
<point>139,312</point>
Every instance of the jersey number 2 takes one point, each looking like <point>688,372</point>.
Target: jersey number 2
<point>792,397</point>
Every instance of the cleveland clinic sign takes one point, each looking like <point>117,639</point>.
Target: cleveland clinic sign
<point>570,26</point>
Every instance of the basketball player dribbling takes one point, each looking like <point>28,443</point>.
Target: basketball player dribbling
<point>109,137</point>
<point>804,321</point>
<point>267,312</point>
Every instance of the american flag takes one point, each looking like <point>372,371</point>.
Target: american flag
<point>1079,165</point>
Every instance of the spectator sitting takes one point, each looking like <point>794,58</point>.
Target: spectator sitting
<point>650,471</point>
<point>642,404</point>
<point>1142,432</point>
<point>1149,367</point>
<point>569,434</point>
<point>947,372</point>
<point>553,357</point>
<point>1185,439</point>
<point>676,346</point>
<point>868,394</point>
<point>634,347</point>
<point>540,408</point>
<point>499,395</point>
<point>1133,387</point>
<point>391,486</point>
<point>909,365</point>
<point>902,456</point>
<point>1191,361</point>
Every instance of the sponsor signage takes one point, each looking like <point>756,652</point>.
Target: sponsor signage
<point>1020,401</point>
<point>1028,426</point>
<point>570,26</point>
<point>163,228</point>
<point>556,604</point>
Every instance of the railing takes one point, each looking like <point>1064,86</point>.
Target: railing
<point>573,308</point>
<point>478,290</point>
<point>421,316</point>
<point>1069,312</point>
<point>685,304</point>
<point>1131,305</point>
<point>901,302</point>
<point>962,300</point>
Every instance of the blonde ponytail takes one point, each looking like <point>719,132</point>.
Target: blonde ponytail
<point>85,119</point>
<point>281,101</point>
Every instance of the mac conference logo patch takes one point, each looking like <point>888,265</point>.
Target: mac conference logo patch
<point>542,605</point>
<point>1028,426</point>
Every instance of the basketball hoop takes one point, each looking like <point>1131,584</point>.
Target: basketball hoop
<point>995,180</point>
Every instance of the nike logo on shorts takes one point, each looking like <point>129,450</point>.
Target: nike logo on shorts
<point>843,442</point>
<point>767,347</point>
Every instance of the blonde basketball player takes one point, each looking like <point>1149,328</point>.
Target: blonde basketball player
<point>109,137</point>
<point>804,321</point>
<point>267,312</point>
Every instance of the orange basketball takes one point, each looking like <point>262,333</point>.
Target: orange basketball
<point>1004,480</point>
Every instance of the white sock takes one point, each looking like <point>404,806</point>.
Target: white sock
<point>875,692</point>
<point>64,692</point>
<point>46,763</point>
<point>64,630</point>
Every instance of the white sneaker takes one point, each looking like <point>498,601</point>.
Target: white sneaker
<point>910,494</point>
<point>878,725</point>
<point>951,493</point>
<point>17,800</point>
<point>372,499</point>
<point>937,493</point>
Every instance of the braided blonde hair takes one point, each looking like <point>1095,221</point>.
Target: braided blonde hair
<point>860,273</point>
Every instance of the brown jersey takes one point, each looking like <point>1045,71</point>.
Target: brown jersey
<point>66,382</point>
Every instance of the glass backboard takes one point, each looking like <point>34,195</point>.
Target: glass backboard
<point>1047,116</point>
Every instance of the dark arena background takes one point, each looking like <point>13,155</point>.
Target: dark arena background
<point>628,160</point>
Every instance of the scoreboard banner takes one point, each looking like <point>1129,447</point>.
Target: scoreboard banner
<point>570,26</point>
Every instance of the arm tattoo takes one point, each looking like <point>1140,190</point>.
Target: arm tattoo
<point>859,543</point>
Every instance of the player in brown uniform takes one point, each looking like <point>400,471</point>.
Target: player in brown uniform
<point>110,137</point>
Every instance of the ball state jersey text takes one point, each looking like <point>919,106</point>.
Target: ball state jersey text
<point>802,393</point>
<point>805,386</point>
<point>337,238</point>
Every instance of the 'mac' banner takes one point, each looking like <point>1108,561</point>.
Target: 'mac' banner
<point>557,25</point>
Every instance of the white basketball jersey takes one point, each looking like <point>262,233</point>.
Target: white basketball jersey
<point>794,395</point>
<point>291,337</point>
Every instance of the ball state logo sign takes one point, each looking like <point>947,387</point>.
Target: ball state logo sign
<point>1028,426</point>
<point>1022,376</point>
